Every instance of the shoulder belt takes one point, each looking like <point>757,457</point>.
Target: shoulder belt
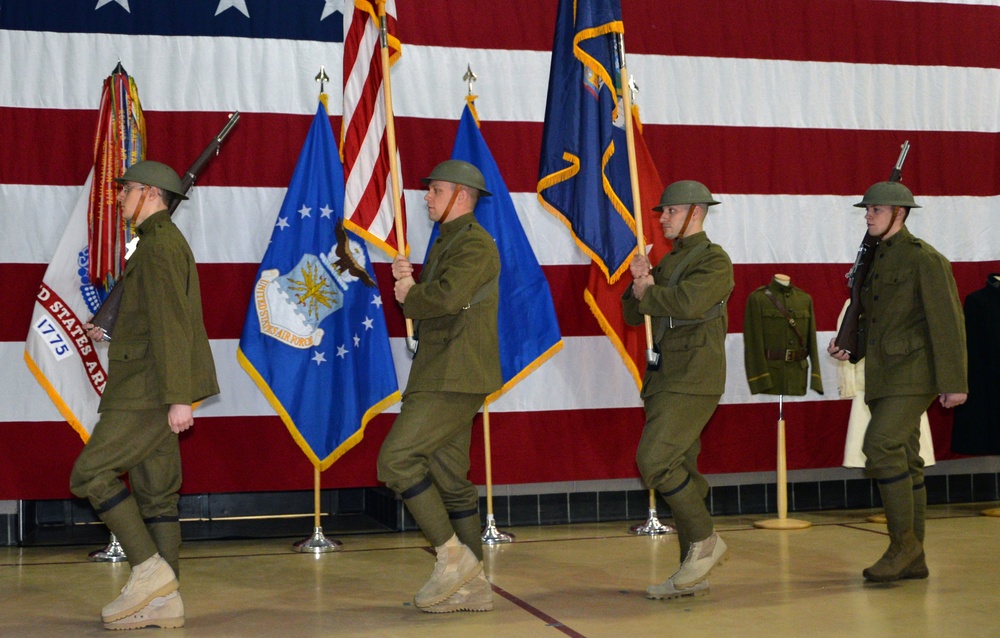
<point>663,323</point>
<point>784,313</point>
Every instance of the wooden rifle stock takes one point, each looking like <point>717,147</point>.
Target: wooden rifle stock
<point>107,314</point>
<point>847,336</point>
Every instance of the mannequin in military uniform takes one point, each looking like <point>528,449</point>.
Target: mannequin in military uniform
<point>775,350</point>
<point>160,364</point>
<point>912,336</point>
<point>425,457</point>
<point>685,294</point>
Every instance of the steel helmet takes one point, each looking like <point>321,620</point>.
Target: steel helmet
<point>458,172</point>
<point>155,174</point>
<point>887,194</point>
<point>685,192</point>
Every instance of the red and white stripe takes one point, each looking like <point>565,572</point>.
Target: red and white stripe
<point>368,203</point>
<point>787,111</point>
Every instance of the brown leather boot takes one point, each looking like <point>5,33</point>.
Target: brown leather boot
<point>904,551</point>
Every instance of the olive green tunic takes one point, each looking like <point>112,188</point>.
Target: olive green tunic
<point>767,336</point>
<point>912,330</point>
<point>693,356</point>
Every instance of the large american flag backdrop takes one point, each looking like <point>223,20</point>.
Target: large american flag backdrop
<point>787,109</point>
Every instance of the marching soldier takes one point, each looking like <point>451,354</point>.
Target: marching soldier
<point>425,457</point>
<point>686,295</point>
<point>912,336</point>
<point>160,364</point>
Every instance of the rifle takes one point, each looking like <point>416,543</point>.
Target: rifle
<point>107,314</point>
<point>847,336</point>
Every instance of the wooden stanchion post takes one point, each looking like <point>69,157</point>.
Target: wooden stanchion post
<point>782,522</point>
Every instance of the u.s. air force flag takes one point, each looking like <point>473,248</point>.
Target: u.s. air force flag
<point>315,340</point>
<point>528,330</point>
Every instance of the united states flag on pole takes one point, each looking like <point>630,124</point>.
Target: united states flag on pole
<point>787,110</point>
<point>365,143</point>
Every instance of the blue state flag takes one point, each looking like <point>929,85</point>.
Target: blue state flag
<point>583,175</point>
<point>528,330</point>
<point>315,339</point>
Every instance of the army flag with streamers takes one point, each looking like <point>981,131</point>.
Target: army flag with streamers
<point>90,255</point>
<point>315,339</point>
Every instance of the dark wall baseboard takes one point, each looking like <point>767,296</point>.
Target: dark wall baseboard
<point>371,510</point>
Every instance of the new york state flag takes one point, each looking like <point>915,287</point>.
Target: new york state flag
<point>315,339</point>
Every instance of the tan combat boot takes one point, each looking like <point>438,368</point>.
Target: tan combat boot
<point>903,556</point>
<point>148,580</point>
<point>166,612</point>
<point>702,556</point>
<point>455,566</point>
<point>667,591</point>
<point>475,595</point>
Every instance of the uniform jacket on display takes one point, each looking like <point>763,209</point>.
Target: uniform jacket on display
<point>911,331</point>
<point>693,355</point>
<point>777,356</point>
<point>459,348</point>
<point>977,421</point>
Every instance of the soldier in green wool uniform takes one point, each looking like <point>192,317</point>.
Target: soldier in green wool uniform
<point>425,457</point>
<point>160,364</point>
<point>911,334</point>
<point>685,294</point>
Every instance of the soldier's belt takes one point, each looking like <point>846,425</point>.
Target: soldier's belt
<point>786,355</point>
<point>665,323</point>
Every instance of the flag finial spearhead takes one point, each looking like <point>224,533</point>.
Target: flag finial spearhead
<point>469,77</point>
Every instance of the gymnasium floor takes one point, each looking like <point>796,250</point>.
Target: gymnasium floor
<point>568,580</point>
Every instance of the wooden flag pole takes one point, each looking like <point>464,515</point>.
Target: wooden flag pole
<point>652,357</point>
<point>652,526</point>
<point>390,130</point>
<point>491,535</point>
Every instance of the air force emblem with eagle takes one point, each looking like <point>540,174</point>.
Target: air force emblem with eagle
<point>291,306</point>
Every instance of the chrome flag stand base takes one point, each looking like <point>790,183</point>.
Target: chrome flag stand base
<point>493,536</point>
<point>113,553</point>
<point>317,543</point>
<point>652,526</point>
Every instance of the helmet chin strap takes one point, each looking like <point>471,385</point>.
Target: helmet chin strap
<point>138,207</point>
<point>892,220</point>
<point>687,220</point>
<point>451,202</point>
